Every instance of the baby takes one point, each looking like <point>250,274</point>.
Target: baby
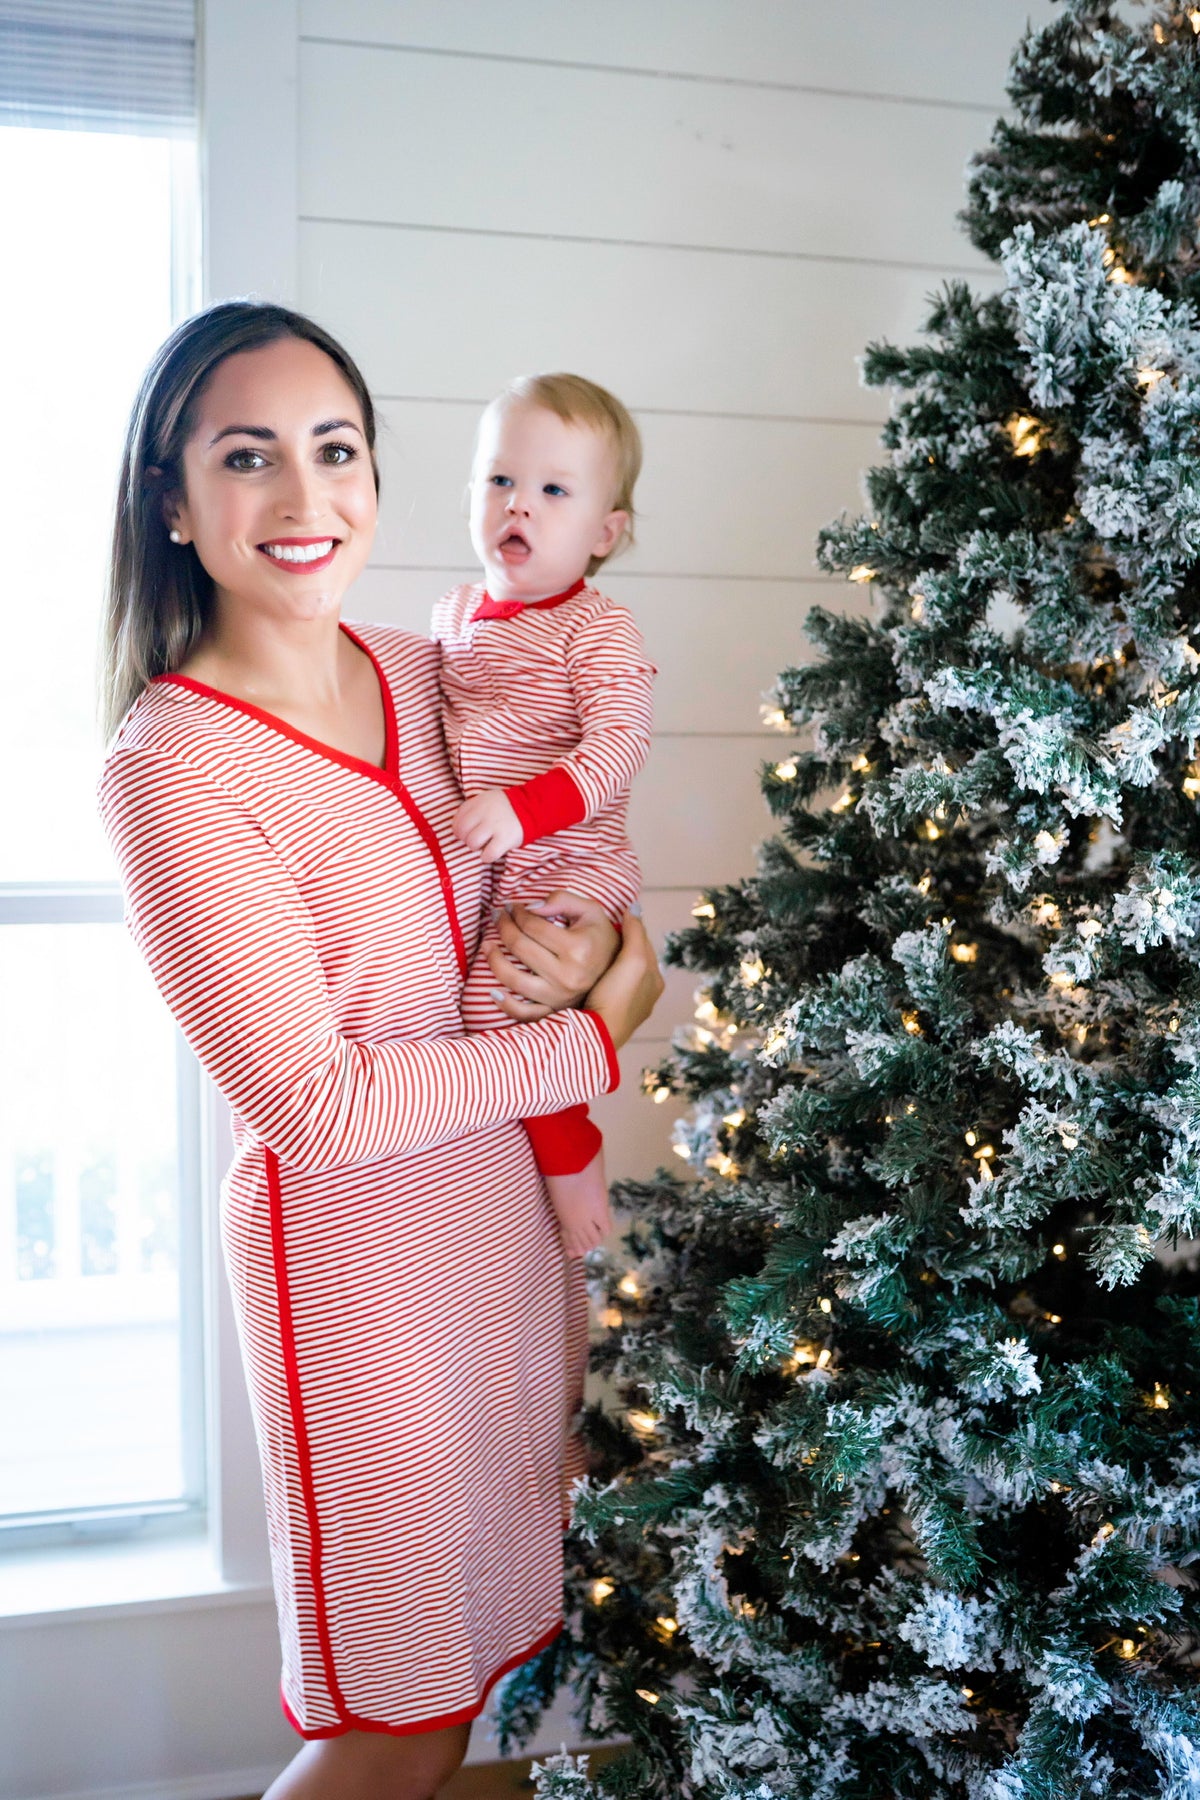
<point>546,700</point>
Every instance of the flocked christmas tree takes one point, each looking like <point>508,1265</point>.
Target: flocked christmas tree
<point>904,1496</point>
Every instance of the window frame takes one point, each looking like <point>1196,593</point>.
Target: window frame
<point>62,905</point>
<point>65,903</point>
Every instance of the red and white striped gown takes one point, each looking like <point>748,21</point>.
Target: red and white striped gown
<point>406,1314</point>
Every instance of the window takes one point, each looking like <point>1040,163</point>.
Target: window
<point>101,1411</point>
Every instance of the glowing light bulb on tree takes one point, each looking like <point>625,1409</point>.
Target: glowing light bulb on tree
<point>1025,433</point>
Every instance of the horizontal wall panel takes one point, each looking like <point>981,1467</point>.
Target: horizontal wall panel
<point>941,49</point>
<point>572,152</point>
<point>717,645</point>
<point>443,315</point>
<point>697,813</point>
<point>637,1133</point>
<point>718,497</point>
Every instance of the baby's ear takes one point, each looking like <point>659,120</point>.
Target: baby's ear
<point>612,532</point>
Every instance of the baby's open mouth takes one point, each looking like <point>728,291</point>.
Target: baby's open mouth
<point>514,546</point>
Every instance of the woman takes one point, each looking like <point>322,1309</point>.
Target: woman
<point>279,801</point>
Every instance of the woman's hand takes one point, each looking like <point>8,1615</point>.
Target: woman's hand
<point>626,994</point>
<point>561,961</point>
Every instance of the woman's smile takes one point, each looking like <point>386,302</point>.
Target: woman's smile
<point>300,555</point>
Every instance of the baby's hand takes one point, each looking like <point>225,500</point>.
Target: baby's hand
<point>488,824</point>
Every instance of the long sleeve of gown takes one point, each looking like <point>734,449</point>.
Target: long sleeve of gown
<point>232,948</point>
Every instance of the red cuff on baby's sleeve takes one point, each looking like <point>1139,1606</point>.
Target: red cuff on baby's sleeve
<point>549,802</point>
<point>610,1050</point>
<point>563,1142</point>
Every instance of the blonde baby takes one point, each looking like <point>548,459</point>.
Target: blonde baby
<point>546,700</point>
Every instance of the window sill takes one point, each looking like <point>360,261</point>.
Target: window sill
<point>98,1581</point>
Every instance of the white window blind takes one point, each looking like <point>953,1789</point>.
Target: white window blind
<point>99,65</point>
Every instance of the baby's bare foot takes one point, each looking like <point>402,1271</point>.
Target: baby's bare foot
<point>580,1204</point>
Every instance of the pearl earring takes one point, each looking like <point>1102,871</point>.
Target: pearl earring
<point>176,537</point>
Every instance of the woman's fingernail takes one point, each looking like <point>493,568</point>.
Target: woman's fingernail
<point>636,909</point>
<point>535,905</point>
<point>499,994</point>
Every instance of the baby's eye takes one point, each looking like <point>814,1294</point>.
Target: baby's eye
<point>245,460</point>
<point>552,487</point>
<point>338,454</point>
<point>500,480</point>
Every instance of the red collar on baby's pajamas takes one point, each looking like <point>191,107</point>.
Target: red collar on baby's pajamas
<point>508,609</point>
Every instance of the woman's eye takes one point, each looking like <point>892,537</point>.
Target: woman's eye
<point>245,459</point>
<point>552,487</point>
<point>337,454</point>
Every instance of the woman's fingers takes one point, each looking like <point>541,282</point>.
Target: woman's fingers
<point>518,1008</point>
<point>580,949</point>
<point>535,963</point>
<point>531,926</point>
<point>573,955</point>
<point>534,952</point>
<point>523,982</point>
<point>573,908</point>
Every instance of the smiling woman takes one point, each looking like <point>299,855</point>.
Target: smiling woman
<point>210,462</point>
<point>282,517</point>
<point>280,802</point>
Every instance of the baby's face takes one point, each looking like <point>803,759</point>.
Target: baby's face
<point>541,501</point>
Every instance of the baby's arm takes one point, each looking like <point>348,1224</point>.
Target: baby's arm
<point>611,679</point>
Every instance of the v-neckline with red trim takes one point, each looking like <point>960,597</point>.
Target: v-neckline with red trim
<point>359,765</point>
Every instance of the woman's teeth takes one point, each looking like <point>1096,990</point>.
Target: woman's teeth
<point>300,553</point>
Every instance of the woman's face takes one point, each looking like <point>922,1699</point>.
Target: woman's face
<point>279,492</point>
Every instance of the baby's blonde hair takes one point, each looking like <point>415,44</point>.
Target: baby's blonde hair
<point>578,401</point>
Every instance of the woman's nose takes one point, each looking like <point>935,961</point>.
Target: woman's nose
<point>300,498</point>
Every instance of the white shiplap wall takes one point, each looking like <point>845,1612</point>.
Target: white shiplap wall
<point>709,205</point>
